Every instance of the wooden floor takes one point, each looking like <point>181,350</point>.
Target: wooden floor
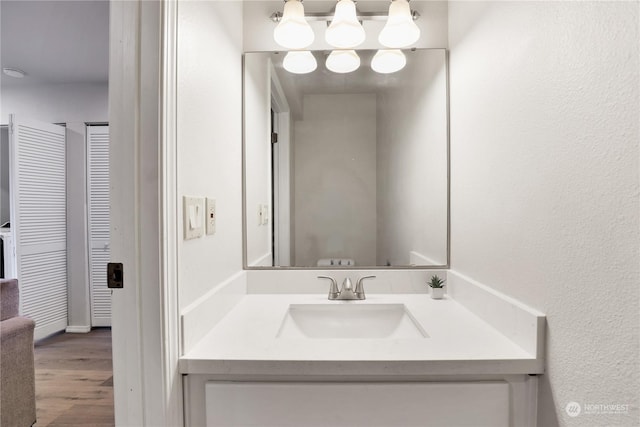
<point>74,380</point>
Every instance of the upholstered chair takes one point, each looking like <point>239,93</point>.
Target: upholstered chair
<point>17,373</point>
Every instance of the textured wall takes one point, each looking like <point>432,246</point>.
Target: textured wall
<point>545,203</point>
<point>210,139</point>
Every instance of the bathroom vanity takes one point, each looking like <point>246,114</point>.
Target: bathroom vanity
<point>357,175</point>
<point>281,353</point>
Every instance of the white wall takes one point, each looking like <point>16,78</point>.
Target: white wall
<point>412,163</point>
<point>209,139</point>
<point>77,227</point>
<point>73,104</point>
<point>257,96</point>
<point>56,103</point>
<point>335,179</point>
<point>5,201</point>
<point>545,205</point>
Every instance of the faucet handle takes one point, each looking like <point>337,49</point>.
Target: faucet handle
<point>333,290</point>
<point>360,286</point>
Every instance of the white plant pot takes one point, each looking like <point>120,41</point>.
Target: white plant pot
<point>437,293</point>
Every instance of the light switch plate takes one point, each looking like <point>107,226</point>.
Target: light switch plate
<point>193,217</point>
<point>211,216</point>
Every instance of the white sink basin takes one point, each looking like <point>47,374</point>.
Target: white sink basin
<point>350,320</point>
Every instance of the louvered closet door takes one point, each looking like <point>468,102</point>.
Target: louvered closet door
<point>98,174</point>
<point>39,221</point>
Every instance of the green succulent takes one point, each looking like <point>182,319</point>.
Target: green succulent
<point>436,282</point>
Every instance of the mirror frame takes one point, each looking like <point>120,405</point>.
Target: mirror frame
<point>353,267</point>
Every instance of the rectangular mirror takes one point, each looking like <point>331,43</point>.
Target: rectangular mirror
<point>346,170</point>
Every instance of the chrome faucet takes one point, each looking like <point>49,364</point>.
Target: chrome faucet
<point>347,292</point>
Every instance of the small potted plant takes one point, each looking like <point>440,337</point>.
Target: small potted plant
<point>437,287</point>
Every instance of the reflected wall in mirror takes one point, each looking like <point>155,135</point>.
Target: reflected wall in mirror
<point>346,170</point>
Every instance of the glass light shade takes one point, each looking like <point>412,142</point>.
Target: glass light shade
<point>293,31</point>
<point>299,62</point>
<point>387,61</point>
<point>343,61</point>
<point>345,31</point>
<point>400,30</point>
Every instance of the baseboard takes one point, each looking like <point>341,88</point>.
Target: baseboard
<point>78,329</point>
<point>41,331</point>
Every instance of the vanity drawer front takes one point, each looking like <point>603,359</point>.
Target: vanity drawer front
<point>357,404</point>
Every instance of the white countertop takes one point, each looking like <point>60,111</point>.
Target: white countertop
<point>245,342</point>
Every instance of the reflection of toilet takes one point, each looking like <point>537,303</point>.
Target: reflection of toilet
<point>337,262</point>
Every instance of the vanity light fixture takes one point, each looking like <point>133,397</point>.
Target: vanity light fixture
<point>345,30</point>
<point>299,62</point>
<point>387,61</point>
<point>293,30</point>
<point>343,61</point>
<point>400,30</point>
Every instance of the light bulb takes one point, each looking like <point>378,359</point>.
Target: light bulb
<point>400,30</point>
<point>299,62</point>
<point>387,61</point>
<point>293,30</point>
<point>343,61</point>
<point>345,31</point>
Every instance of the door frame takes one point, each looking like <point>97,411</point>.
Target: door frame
<point>282,164</point>
<point>142,125</point>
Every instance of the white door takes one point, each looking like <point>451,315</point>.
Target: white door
<point>98,211</point>
<point>39,221</point>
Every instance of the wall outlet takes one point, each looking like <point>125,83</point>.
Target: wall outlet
<point>193,217</point>
<point>211,216</point>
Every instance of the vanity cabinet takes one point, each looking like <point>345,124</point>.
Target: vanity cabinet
<point>459,370</point>
<point>301,401</point>
<point>297,404</point>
